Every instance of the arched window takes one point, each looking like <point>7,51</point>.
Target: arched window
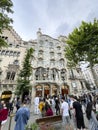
<point>51,54</point>
<point>11,53</point>
<point>16,62</point>
<point>63,74</point>
<point>62,63</point>
<point>40,53</point>
<point>59,55</point>
<point>41,73</point>
<point>40,61</point>
<point>58,48</point>
<point>10,45</point>
<point>18,53</point>
<point>17,46</point>
<point>51,45</point>
<point>54,73</point>
<point>7,53</point>
<point>41,43</point>
<point>3,52</point>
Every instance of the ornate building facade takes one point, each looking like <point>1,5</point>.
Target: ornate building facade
<point>50,74</point>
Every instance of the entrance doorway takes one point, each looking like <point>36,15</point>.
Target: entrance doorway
<point>38,90</point>
<point>65,90</point>
<point>46,91</point>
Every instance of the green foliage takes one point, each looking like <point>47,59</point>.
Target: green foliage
<point>22,86</point>
<point>2,43</point>
<point>23,82</point>
<point>83,44</point>
<point>27,68</point>
<point>5,20</point>
<point>32,126</point>
<point>5,7</point>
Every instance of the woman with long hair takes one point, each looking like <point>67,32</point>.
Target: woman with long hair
<point>91,116</point>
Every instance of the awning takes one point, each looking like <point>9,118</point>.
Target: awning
<point>6,96</point>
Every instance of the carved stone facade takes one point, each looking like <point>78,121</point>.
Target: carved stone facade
<point>50,74</point>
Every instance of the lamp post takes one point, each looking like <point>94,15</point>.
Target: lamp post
<point>63,79</point>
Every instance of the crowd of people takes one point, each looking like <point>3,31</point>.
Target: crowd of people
<point>72,109</point>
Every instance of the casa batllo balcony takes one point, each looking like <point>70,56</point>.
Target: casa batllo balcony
<point>73,77</point>
<point>46,78</point>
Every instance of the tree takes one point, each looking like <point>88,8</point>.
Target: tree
<point>5,20</point>
<point>23,81</point>
<point>82,45</point>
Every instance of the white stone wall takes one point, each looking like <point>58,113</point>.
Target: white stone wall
<point>48,44</point>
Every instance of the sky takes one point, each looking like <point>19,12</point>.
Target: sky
<point>54,17</point>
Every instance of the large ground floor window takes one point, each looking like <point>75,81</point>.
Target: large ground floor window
<point>51,89</point>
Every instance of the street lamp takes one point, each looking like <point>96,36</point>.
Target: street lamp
<point>63,79</point>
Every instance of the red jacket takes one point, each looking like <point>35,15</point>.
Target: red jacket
<point>3,114</point>
<point>49,112</point>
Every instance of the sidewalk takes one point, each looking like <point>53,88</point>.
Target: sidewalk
<point>32,119</point>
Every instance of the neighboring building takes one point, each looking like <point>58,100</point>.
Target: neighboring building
<point>89,77</point>
<point>50,74</point>
<point>11,59</point>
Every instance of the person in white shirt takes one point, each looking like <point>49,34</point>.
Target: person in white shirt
<point>36,103</point>
<point>65,113</point>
